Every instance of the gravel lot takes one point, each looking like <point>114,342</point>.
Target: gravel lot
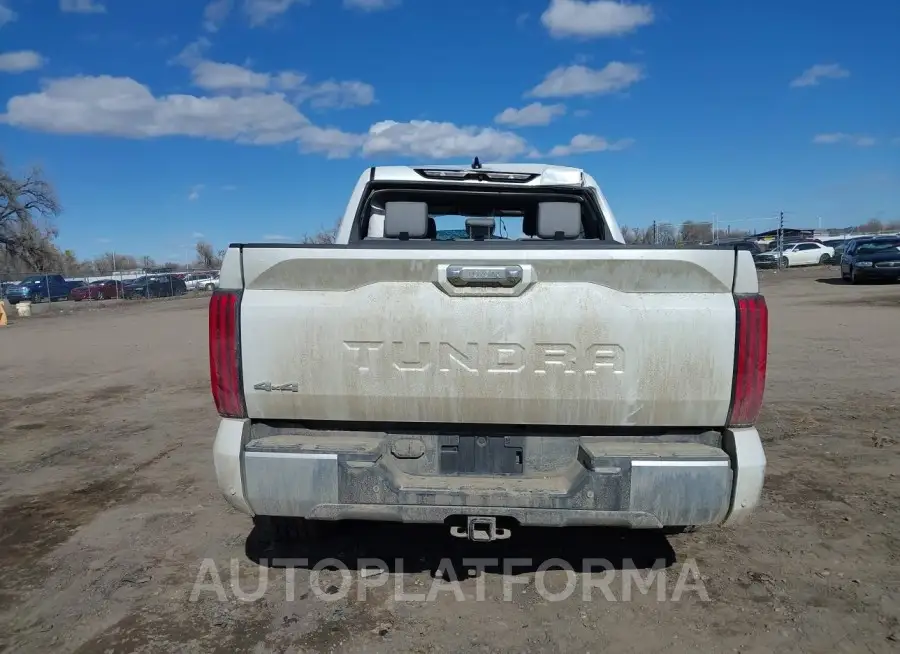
<point>110,508</point>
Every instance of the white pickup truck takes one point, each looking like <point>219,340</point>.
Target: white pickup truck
<point>525,367</point>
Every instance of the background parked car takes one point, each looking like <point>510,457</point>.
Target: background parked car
<point>201,281</point>
<point>102,289</point>
<point>805,253</point>
<point>4,286</point>
<point>742,244</point>
<point>37,288</point>
<point>149,286</point>
<point>871,258</point>
<point>839,244</point>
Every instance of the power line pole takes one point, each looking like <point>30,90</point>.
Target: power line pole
<point>655,238</point>
<point>779,239</point>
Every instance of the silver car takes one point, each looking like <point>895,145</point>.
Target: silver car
<point>201,281</point>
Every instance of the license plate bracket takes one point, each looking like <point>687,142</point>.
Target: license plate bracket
<point>473,454</point>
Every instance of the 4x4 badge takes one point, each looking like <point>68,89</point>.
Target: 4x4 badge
<point>269,387</point>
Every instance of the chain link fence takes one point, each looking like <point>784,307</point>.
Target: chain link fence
<point>117,286</point>
<point>764,231</point>
<point>763,237</point>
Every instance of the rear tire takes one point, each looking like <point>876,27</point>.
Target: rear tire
<point>824,259</point>
<point>785,262</point>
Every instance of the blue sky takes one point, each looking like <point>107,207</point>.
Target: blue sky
<point>252,119</point>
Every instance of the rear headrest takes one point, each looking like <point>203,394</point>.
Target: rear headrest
<point>405,220</point>
<point>529,221</point>
<point>559,220</point>
<point>480,228</point>
<point>376,224</point>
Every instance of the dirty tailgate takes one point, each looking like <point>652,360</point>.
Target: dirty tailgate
<point>591,337</point>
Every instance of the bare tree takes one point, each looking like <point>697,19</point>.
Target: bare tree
<point>105,263</point>
<point>692,232</point>
<point>322,237</point>
<point>28,207</point>
<point>873,226</point>
<point>112,262</point>
<point>207,257</point>
<point>71,267</point>
<point>666,234</point>
<point>638,235</point>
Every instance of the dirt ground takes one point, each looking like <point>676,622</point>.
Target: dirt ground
<point>109,513</point>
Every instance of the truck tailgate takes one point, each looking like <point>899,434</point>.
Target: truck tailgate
<point>599,337</point>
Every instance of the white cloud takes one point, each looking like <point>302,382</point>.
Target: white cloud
<point>214,76</point>
<point>567,81</point>
<point>192,53</point>
<point>833,138</point>
<point>216,13</point>
<point>82,6</point>
<point>195,195</point>
<point>337,95</point>
<point>276,237</point>
<point>424,138</point>
<point>581,143</point>
<point>197,235</point>
<point>599,18</point>
<point>121,106</point>
<point>217,76</point>
<point>530,115</point>
<point>814,74</point>
<point>581,113</point>
<point>260,12</point>
<point>20,62</point>
<point>330,141</point>
<point>289,80</point>
<point>7,15</point>
<point>371,5</point>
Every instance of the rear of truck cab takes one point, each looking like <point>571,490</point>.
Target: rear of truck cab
<point>614,387</point>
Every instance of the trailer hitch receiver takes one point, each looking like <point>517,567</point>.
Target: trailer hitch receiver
<point>481,529</point>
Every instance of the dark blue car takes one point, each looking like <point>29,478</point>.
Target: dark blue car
<point>37,288</point>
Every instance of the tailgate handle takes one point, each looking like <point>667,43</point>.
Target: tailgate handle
<point>506,276</point>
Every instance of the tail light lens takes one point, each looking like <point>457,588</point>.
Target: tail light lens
<point>751,348</point>
<point>224,354</point>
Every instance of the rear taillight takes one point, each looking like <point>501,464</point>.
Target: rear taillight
<point>224,356</point>
<point>751,347</point>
